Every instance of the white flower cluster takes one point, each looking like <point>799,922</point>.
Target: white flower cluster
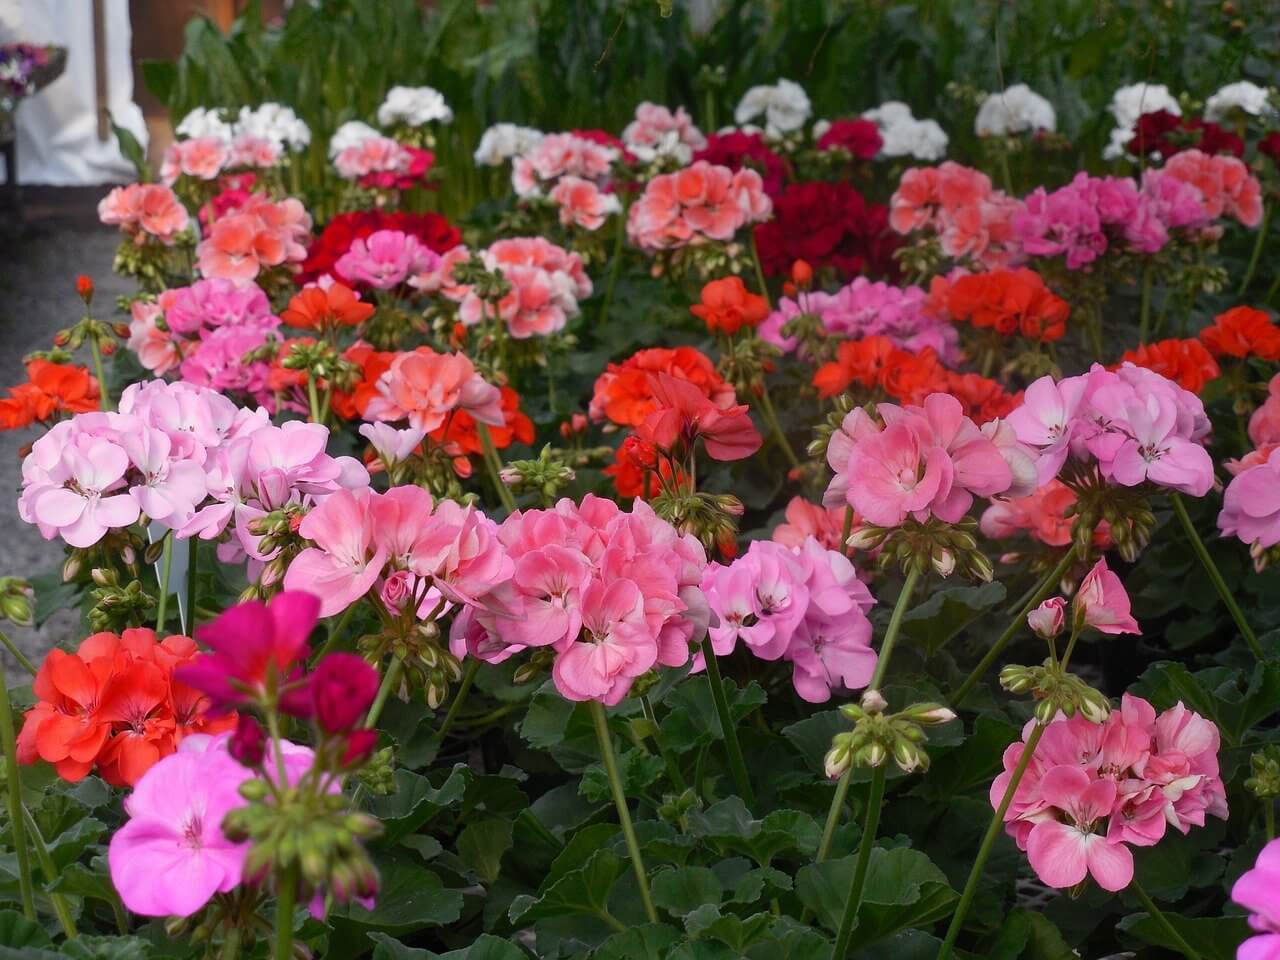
<point>414,107</point>
<point>502,141</point>
<point>784,105</point>
<point>906,136</point>
<point>350,134</point>
<point>1131,102</point>
<point>273,122</point>
<point>1243,95</point>
<point>1016,110</point>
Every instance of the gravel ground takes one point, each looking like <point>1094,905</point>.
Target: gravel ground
<point>58,238</point>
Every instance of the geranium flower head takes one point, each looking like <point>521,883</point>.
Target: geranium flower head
<point>727,306</point>
<point>317,308</point>
<point>1101,602</point>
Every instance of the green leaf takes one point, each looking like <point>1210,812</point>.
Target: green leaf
<point>546,719</point>
<point>52,595</point>
<point>638,768</point>
<point>482,844</point>
<point>812,736</point>
<point>685,889</point>
<point>427,847</point>
<point>107,948</point>
<point>973,763</point>
<point>693,721</point>
<point>389,948</point>
<point>733,931</point>
<point>17,931</point>
<point>753,884</point>
<point>80,881</point>
<point>949,612</point>
<point>1214,938</point>
<point>1028,935</point>
<point>410,897</point>
<point>903,889</point>
<point>585,890</point>
<point>730,826</point>
<point>485,947</point>
<point>131,149</point>
<point>1218,693</point>
<point>649,941</point>
<point>416,801</point>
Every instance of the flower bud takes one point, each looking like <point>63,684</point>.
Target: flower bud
<point>837,761</point>
<point>873,701</point>
<point>342,688</point>
<point>906,755</point>
<point>1095,707</point>
<point>84,288</point>
<point>248,744</point>
<point>1017,679</point>
<point>874,754</point>
<point>1048,619</point>
<point>801,274</point>
<point>866,538</point>
<point>944,560</point>
<point>929,714</point>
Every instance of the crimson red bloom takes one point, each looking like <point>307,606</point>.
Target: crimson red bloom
<point>1166,134</point>
<point>1186,362</point>
<point>1011,302</point>
<point>727,306</point>
<point>737,150</point>
<point>1242,332</point>
<point>249,742</point>
<point>622,394</point>
<point>827,225</point>
<point>684,414</point>
<point>1270,145</point>
<point>859,137</point>
<point>335,240</point>
<point>342,688</point>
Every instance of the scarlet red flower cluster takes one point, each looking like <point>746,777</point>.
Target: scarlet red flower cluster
<point>1242,332</point>
<point>433,230</point>
<point>877,364</point>
<point>1011,302</point>
<point>827,225</point>
<point>727,306</point>
<point>637,469</point>
<point>460,428</point>
<point>51,388</point>
<point>737,150</point>
<point>859,137</point>
<point>623,394</point>
<point>1186,362</point>
<point>1166,134</point>
<point>114,704</point>
<point>323,309</point>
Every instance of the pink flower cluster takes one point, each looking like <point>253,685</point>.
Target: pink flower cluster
<point>205,158</point>
<point>259,235</point>
<point>582,203</point>
<point>1135,425</point>
<point>385,259</point>
<point>614,594</point>
<point>700,203</point>
<point>382,163</point>
<point>1093,790</point>
<point>921,461</point>
<point>559,155</point>
<point>804,604</point>
<point>864,308</point>
<point>102,471</point>
<point>1226,186</point>
<point>657,132</point>
<point>1251,503</point>
<point>971,219</point>
<point>425,388</point>
<point>145,211</point>
<point>1258,891</point>
<point>546,280</point>
<point>208,328</point>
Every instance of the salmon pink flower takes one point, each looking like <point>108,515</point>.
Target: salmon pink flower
<point>1102,603</point>
<point>1048,619</point>
<point>345,562</point>
<point>582,203</point>
<point>1063,852</point>
<point>616,646</point>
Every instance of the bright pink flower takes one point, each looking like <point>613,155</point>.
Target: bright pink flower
<point>1251,504</point>
<point>1264,423</point>
<point>616,646</point>
<point>345,562</point>
<point>144,211</point>
<point>698,203</point>
<point>386,259</point>
<point>1103,603</point>
<point>1225,184</point>
<point>208,304</point>
<point>1063,852</point>
<point>249,642</point>
<point>171,857</point>
<point>1152,449</point>
<point>424,387</point>
<point>1258,891</point>
<point>551,581</point>
<point>1045,421</point>
<point>1048,619</point>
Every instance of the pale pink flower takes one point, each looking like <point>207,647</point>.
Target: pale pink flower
<point>805,519</point>
<point>392,445</point>
<point>557,155</point>
<point>385,259</point>
<point>169,487</point>
<point>1102,603</point>
<point>1047,620</point>
<point>657,132</point>
<point>202,158</point>
<point>154,348</point>
<point>582,203</point>
<point>85,495</point>
<point>1225,184</point>
<point>547,282</point>
<point>345,562</point>
<point>144,211</point>
<point>1064,851</point>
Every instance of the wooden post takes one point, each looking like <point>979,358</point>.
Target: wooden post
<point>100,70</point>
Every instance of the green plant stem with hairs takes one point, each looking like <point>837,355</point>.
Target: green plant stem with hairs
<point>1158,916</point>
<point>737,765</point>
<point>166,567</point>
<point>13,796</point>
<point>390,680</point>
<point>856,887</point>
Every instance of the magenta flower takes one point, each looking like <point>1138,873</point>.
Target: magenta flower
<point>1064,851</point>
<point>1258,891</point>
<point>342,688</point>
<point>250,642</point>
<point>1103,603</point>
<point>171,857</point>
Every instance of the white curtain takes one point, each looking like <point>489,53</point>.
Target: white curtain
<point>58,127</point>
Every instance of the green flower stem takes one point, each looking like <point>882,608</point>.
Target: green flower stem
<point>732,747</point>
<point>895,625</point>
<point>494,463</point>
<point>286,900</point>
<point>771,418</point>
<point>1269,817</point>
<point>846,529</point>
<point>166,566</point>
<point>988,840</point>
<point>1144,311</point>
<point>1211,568</point>
<point>313,399</point>
<point>61,908</point>
<point>854,900</point>
<point>389,682</point>
<point>1259,242</point>
<point>615,263</point>
<point>459,698</point>
<point>17,654</point>
<point>620,801</point>
<point>193,559</point>
<point>104,395</point>
<point>833,816</point>
<point>13,794</point>
<point>673,766</point>
<point>1034,599</point>
<point>755,259</point>
<point>1158,916</point>
<point>335,634</point>
<point>231,945</point>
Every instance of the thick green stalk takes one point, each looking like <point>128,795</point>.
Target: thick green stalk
<point>61,908</point>
<point>732,747</point>
<point>231,945</point>
<point>1215,575</point>
<point>988,840</point>
<point>13,795</point>
<point>313,399</point>
<point>833,816</point>
<point>1259,242</point>
<point>1158,916</point>
<point>17,654</point>
<point>620,801</point>
<point>494,463</point>
<point>166,566</point>
<point>459,698</point>
<point>771,418</point>
<point>390,681</point>
<point>895,625</point>
<point>286,900</point>
<point>1034,599</point>
<point>854,900</point>
<point>104,395</point>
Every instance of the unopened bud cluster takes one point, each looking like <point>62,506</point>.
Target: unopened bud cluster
<point>15,601</point>
<point>545,476</point>
<point>1264,769</point>
<point>711,517</point>
<point>1126,513</point>
<point>1056,692</point>
<point>877,736</point>
<point>428,666</point>
<point>117,605</point>
<point>946,548</point>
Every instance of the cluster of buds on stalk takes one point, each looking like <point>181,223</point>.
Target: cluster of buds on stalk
<point>944,547</point>
<point>920,259</point>
<point>278,538</point>
<point>545,476</point>
<point>711,517</point>
<point>1126,511</point>
<point>15,601</point>
<point>152,264</point>
<point>744,362</point>
<point>425,661</point>
<point>878,736</point>
<point>1264,773</point>
<point>1056,691</point>
<point>118,605</point>
<point>842,406</point>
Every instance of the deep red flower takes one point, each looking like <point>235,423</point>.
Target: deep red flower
<point>827,225</point>
<point>1270,145</point>
<point>342,688</point>
<point>249,742</point>
<point>335,240</point>
<point>1166,134</point>
<point>860,137</point>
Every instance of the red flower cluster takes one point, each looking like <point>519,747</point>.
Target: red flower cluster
<point>1163,133</point>
<point>335,240</point>
<point>1186,362</point>
<point>827,225</point>
<point>1242,332</point>
<point>318,309</point>
<point>859,137</point>
<point>51,388</point>
<point>1270,146</point>
<point>116,704</point>
<point>1011,302</point>
<point>727,306</point>
<point>623,394</point>
<point>737,150</point>
<point>876,364</point>
<point>460,428</point>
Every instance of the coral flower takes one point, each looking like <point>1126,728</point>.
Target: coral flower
<point>1242,332</point>
<point>1186,362</point>
<point>316,308</point>
<point>67,727</point>
<point>1063,853</point>
<point>727,306</point>
<point>685,414</point>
